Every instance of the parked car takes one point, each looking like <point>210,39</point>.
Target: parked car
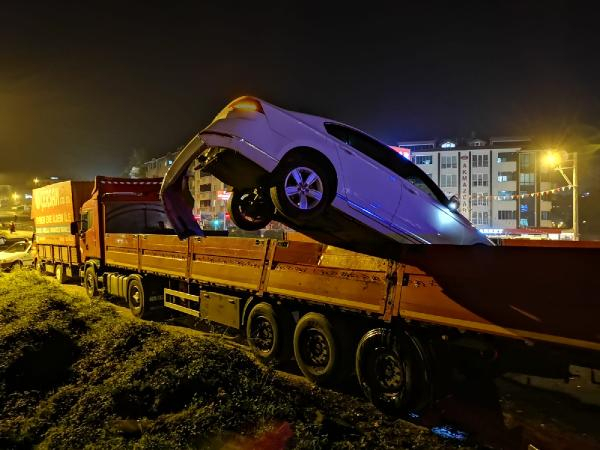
<point>322,177</point>
<point>17,255</point>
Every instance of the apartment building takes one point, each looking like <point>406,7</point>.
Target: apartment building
<point>209,193</point>
<point>500,181</point>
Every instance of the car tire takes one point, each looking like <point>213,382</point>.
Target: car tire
<point>303,188</point>
<point>90,282</point>
<point>269,333</point>
<point>250,209</point>
<point>59,273</point>
<point>16,265</point>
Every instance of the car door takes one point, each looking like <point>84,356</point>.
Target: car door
<point>27,256</point>
<point>370,187</point>
<point>421,212</point>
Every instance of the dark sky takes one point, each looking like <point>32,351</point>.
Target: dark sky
<point>81,87</point>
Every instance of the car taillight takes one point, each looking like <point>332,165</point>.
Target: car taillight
<point>247,105</point>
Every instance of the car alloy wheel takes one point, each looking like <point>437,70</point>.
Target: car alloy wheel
<point>304,188</point>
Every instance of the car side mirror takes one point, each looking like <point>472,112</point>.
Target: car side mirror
<point>74,228</point>
<point>453,203</point>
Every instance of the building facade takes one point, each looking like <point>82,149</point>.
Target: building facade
<point>209,193</point>
<point>499,181</point>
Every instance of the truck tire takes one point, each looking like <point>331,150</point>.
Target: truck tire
<point>90,282</point>
<point>39,267</point>
<point>137,299</point>
<point>303,188</point>
<point>59,273</point>
<point>320,352</point>
<point>394,371</point>
<point>269,333</point>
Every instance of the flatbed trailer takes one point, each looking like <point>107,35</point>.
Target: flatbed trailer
<point>396,325</point>
<point>320,302</point>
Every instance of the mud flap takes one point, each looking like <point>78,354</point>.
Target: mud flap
<point>175,194</point>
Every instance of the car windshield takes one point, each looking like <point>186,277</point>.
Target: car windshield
<point>17,247</point>
<point>388,158</point>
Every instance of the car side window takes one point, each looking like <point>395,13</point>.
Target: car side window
<point>419,183</point>
<point>388,158</point>
<point>337,132</point>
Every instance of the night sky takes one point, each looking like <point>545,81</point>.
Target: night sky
<point>82,87</point>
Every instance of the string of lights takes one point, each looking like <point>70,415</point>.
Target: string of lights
<point>522,195</point>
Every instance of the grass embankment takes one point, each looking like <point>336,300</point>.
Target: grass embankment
<point>75,374</point>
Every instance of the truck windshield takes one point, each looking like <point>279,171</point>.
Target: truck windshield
<point>133,217</point>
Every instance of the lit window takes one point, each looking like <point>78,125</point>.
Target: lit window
<point>423,159</point>
<point>448,144</point>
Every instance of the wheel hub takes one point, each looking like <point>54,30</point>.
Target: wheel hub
<point>390,373</point>
<point>262,335</point>
<point>316,348</point>
<point>135,297</point>
<point>304,188</point>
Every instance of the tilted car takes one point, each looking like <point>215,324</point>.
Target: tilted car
<point>319,176</point>
<point>17,255</point>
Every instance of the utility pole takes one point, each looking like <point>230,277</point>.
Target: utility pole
<point>575,198</point>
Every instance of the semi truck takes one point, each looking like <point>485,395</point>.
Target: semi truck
<point>395,325</point>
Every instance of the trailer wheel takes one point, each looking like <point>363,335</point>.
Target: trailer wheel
<point>59,273</point>
<point>39,267</point>
<point>393,371</point>
<point>319,352</point>
<point>90,282</point>
<point>137,299</point>
<point>269,333</point>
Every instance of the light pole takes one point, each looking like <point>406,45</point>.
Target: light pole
<point>556,160</point>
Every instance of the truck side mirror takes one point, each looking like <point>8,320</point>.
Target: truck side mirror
<point>74,228</point>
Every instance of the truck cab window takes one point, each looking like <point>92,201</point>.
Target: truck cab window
<point>137,217</point>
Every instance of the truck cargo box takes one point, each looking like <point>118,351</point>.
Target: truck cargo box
<point>54,207</point>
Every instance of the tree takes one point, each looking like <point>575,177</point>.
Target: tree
<point>135,164</point>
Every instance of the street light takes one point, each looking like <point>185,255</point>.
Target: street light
<point>36,181</point>
<point>555,161</point>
